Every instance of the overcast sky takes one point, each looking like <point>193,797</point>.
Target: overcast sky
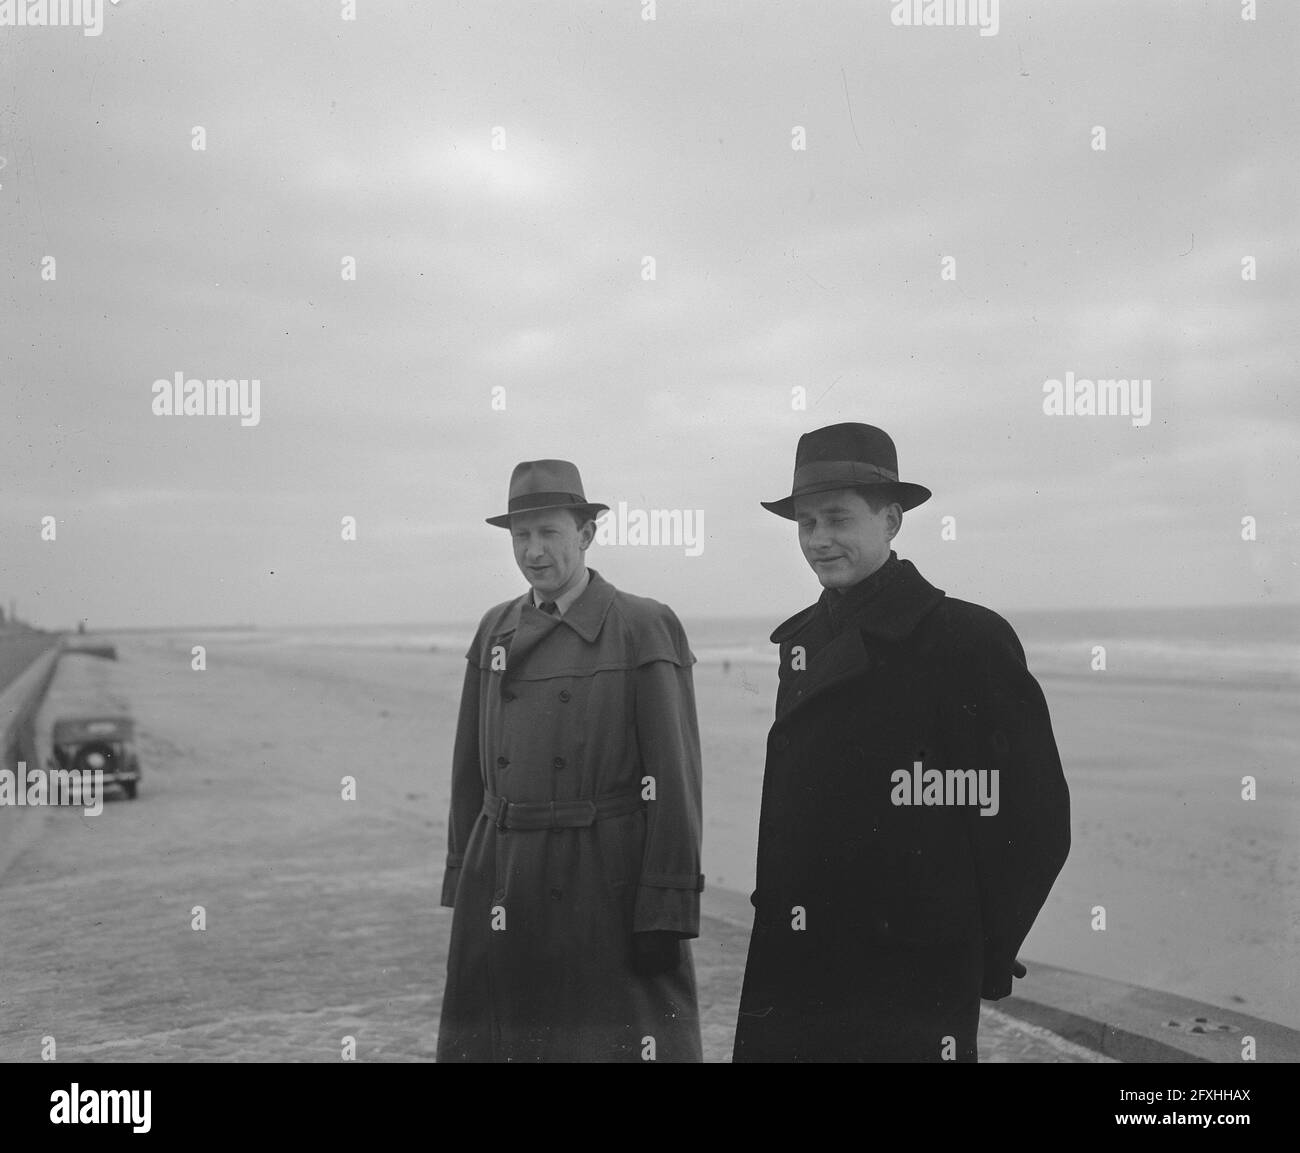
<point>522,268</point>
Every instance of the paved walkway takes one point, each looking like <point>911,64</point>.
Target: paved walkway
<point>310,938</point>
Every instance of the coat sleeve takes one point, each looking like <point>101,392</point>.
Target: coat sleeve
<point>1019,850</point>
<point>466,783</point>
<point>667,733</point>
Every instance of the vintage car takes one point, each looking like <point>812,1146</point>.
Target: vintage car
<point>105,744</point>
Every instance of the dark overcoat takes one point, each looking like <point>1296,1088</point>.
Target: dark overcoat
<point>585,726</point>
<point>879,925</point>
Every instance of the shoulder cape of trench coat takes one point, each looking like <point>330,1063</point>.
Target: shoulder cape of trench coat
<point>597,705</point>
<point>878,926</point>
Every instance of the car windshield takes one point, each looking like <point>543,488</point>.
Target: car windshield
<point>94,729</point>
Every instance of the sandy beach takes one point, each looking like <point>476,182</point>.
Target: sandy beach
<point>1154,772</point>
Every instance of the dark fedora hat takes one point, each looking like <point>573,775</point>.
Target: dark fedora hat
<point>847,456</point>
<point>539,484</point>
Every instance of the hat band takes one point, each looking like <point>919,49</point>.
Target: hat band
<point>544,500</point>
<point>850,472</point>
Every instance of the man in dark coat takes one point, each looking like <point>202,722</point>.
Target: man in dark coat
<point>573,860</point>
<point>914,812</point>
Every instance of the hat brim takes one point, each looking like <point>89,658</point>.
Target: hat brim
<point>909,495</point>
<point>592,510</point>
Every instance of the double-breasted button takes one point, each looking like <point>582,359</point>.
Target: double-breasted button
<point>566,696</point>
<point>507,696</point>
<point>502,762</point>
<point>556,894</point>
<point>558,763</point>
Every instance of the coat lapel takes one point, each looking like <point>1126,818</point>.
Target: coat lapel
<point>889,616</point>
<point>530,627</point>
<point>586,615</point>
<point>843,659</point>
<point>525,626</point>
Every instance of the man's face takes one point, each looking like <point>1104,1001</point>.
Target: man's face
<point>841,537</point>
<point>548,549</point>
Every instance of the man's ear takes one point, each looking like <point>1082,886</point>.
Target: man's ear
<point>587,535</point>
<point>894,520</point>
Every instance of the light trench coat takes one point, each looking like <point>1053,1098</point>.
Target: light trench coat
<point>575,822</point>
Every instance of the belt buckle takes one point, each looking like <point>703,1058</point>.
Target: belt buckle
<point>502,813</point>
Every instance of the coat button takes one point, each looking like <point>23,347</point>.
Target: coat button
<point>780,742</point>
<point>558,763</point>
<point>556,894</point>
<point>565,696</point>
<point>507,696</point>
<point>502,762</point>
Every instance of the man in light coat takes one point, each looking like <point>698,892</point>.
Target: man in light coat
<point>573,860</point>
<point>914,813</point>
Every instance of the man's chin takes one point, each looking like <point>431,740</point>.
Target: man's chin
<point>833,578</point>
<point>543,585</point>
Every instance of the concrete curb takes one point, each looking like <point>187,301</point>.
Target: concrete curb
<point>1135,1024</point>
<point>19,702</point>
<point>20,699</point>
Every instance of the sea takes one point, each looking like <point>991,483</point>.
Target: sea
<point>1254,645</point>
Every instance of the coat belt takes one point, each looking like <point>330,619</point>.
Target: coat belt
<point>506,814</point>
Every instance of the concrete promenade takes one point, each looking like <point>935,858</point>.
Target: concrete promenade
<point>309,938</point>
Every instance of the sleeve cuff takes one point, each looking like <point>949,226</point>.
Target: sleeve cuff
<point>997,973</point>
<point>691,882</point>
<point>450,880</point>
<point>668,910</point>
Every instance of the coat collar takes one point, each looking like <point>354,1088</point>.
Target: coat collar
<point>586,616</point>
<point>890,615</point>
